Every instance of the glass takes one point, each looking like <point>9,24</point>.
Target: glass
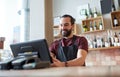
<point>5,55</point>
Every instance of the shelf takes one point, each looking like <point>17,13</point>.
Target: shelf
<point>92,21</point>
<point>57,36</point>
<point>104,48</point>
<point>93,31</point>
<point>117,15</point>
<point>115,12</point>
<point>118,27</point>
<point>55,26</point>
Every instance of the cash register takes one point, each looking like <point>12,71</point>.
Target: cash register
<point>29,55</point>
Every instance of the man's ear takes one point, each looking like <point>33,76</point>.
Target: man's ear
<point>73,27</point>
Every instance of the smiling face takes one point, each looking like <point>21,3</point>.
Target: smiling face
<point>66,26</point>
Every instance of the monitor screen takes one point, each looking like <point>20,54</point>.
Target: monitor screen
<point>38,47</point>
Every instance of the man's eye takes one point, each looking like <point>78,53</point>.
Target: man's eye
<point>66,24</point>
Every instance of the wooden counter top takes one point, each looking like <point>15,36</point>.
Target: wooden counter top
<point>96,71</point>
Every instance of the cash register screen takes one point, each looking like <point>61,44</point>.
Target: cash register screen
<point>34,47</point>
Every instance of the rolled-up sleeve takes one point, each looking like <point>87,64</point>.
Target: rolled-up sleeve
<point>83,43</point>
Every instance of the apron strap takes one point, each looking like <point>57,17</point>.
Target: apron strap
<point>61,53</point>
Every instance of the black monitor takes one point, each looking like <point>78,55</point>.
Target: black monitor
<point>36,46</point>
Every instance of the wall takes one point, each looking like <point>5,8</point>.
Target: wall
<point>37,13</point>
<point>61,7</point>
<point>41,20</point>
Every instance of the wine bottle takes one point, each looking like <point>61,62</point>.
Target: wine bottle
<point>95,26</point>
<point>95,42</point>
<point>110,41</point>
<point>95,13</point>
<point>90,13</point>
<point>115,21</point>
<point>91,27</point>
<point>86,15</point>
<point>85,28</point>
<point>113,6</point>
<point>100,25</point>
<point>116,40</point>
<point>103,42</point>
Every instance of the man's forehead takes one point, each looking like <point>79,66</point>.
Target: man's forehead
<point>65,20</point>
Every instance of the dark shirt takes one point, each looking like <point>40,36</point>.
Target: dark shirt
<point>80,40</point>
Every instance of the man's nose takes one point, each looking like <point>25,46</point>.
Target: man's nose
<point>63,27</point>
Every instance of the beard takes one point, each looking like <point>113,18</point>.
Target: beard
<point>66,32</point>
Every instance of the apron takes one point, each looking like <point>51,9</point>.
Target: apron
<point>68,52</point>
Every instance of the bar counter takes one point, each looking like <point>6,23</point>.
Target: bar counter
<point>89,71</point>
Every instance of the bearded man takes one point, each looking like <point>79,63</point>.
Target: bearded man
<point>70,50</point>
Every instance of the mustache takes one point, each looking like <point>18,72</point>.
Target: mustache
<point>64,30</point>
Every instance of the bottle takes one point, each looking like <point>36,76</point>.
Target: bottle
<point>90,13</point>
<point>116,40</point>
<point>103,42</point>
<point>86,15</point>
<point>99,42</point>
<point>110,41</point>
<point>115,21</point>
<point>95,13</point>
<point>119,39</point>
<point>85,28</point>
<point>95,26</point>
<point>113,6</point>
<point>91,27</point>
<point>100,26</point>
<point>95,42</point>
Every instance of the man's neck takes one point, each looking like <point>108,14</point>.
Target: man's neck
<point>70,36</point>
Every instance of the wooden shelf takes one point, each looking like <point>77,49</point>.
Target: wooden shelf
<point>103,48</point>
<point>89,19</point>
<point>118,27</point>
<point>115,12</point>
<point>117,15</point>
<point>93,31</point>
<point>92,20</point>
<point>56,26</point>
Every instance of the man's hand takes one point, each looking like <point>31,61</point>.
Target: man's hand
<point>57,63</point>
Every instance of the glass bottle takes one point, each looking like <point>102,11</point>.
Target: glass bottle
<point>86,15</point>
<point>116,40</point>
<point>90,13</point>
<point>100,25</point>
<point>103,42</point>
<point>95,26</point>
<point>115,21</point>
<point>95,42</point>
<point>113,6</point>
<point>95,13</point>
<point>85,28</point>
<point>110,41</point>
<point>91,27</point>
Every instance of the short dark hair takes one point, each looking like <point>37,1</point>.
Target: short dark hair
<point>72,19</point>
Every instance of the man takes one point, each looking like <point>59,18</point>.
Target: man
<point>70,50</point>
